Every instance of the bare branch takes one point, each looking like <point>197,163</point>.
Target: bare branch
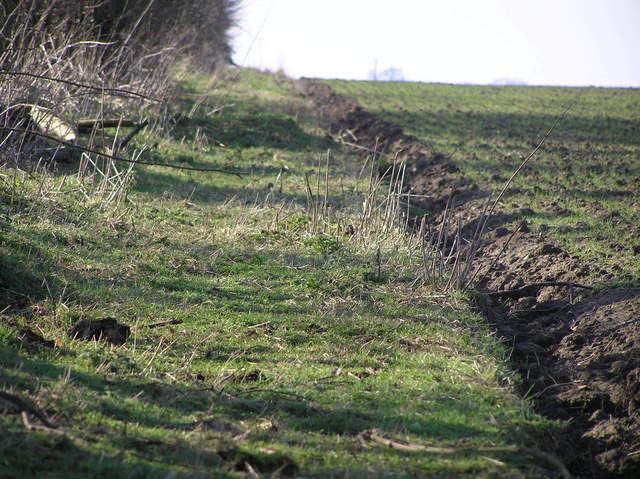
<point>113,91</point>
<point>132,133</point>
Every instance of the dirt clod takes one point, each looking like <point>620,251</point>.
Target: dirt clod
<point>106,329</point>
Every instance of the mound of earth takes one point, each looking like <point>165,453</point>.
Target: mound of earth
<point>575,340</point>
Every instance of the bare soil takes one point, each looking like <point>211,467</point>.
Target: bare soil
<point>578,349</point>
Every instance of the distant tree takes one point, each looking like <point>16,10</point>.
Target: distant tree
<point>373,74</point>
<point>198,29</point>
<point>508,82</point>
<point>391,74</point>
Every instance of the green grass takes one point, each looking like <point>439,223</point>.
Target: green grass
<point>292,340</point>
<point>583,185</point>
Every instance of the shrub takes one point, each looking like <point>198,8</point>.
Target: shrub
<point>119,44</point>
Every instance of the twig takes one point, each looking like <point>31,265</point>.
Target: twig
<point>272,391</point>
<point>310,202</point>
<point>533,288</point>
<point>550,386</point>
<point>116,91</point>
<point>222,292</point>
<point>132,133</point>
<point>531,155</point>
<point>369,150</point>
<point>252,472</point>
<point>28,423</point>
<point>164,323</point>
<point>26,407</point>
<point>155,353</point>
<point>475,244</point>
<point>258,325</point>
<point>117,158</point>
<point>487,214</point>
<point>376,436</point>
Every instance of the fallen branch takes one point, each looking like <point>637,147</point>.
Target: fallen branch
<point>28,423</point>
<point>533,289</point>
<point>116,158</point>
<point>115,91</point>
<point>86,126</point>
<point>25,407</point>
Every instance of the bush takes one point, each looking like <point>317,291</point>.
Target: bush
<point>126,44</point>
<point>196,28</point>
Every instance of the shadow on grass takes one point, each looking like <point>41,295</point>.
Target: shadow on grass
<point>216,188</point>
<point>156,183</point>
<point>33,455</point>
<point>61,453</point>
<point>166,408</point>
<point>246,130</point>
<point>523,128</point>
<point>24,276</point>
<point>303,415</point>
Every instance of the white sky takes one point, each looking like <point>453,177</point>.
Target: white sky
<point>540,42</point>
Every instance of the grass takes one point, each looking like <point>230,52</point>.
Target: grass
<point>582,186</point>
<point>292,337</point>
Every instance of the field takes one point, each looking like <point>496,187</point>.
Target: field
<point>582,188</point>
<point>276,328</point>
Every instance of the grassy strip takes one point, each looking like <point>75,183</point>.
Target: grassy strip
<point>288,338</point>
<point>582,187</point>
